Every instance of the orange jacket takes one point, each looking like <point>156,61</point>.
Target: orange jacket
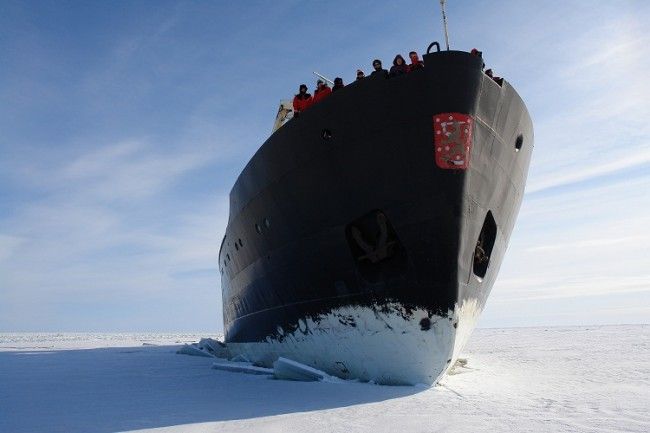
<point>321,94</point>
<point>300,104</point>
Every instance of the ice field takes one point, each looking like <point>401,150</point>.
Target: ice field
<point>574,379</point>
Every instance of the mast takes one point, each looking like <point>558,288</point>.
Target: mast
<point>444,21</point>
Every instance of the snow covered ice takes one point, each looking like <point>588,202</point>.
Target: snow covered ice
<point>577,379</point>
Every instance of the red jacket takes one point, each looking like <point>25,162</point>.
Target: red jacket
<point>301,104</point>
<point>416,63</point>
<point>321,94</point>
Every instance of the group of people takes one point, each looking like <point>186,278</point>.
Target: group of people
<point>400,67</point>
<point>304,100</point>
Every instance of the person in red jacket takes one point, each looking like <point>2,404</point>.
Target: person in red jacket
<point>301,101</point>
<point>322,91</point>
<point>416,63</point>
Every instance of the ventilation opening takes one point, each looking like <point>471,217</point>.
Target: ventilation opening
<point>519,142</point>
<point>373,242</point>
<point>484,246</point>
<point>326,134</point>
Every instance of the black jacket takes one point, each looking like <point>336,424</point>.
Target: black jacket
<point>398,69</point>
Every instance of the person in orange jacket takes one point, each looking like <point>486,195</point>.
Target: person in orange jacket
<point>322,91</point>
<point>301,101</point>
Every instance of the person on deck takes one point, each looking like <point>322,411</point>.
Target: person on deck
<point>322,91</point>
<point>478,53</point>
<point>399,67</point>
<point>379,72</point>
<point>416,63</point>
<point>338,84</point>
<point>301,101</point>
<point>360,75</point>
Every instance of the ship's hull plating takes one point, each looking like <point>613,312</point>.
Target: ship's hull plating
<point>350,249</point>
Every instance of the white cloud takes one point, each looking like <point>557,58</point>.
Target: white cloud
<point>106,228</point>
<point>629,159</point>
<point>581,244</point>
<point>127,170</point>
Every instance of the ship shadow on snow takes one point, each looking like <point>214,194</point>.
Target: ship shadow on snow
<point>131,388</point>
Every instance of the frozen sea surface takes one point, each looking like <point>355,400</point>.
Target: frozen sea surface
<point>578,379</point>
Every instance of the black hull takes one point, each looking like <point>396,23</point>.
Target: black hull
<point>364,154</point>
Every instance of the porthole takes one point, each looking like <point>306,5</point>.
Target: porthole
<point>258,229</point>
<point>267,223</point>
<point>519,142</point>
<point>326,134</point>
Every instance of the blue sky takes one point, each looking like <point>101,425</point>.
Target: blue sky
<point>123,126</point>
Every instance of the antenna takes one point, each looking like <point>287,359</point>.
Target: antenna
<point>444,21</point>
<point>324,78</point>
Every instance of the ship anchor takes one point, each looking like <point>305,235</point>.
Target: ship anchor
<point>382,248</point>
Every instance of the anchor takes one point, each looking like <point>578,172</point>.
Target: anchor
<point>382,248</point>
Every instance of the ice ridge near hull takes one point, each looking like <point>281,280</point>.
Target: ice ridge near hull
<point>387,344</point>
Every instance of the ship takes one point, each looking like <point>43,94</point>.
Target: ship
<point>365,236</point>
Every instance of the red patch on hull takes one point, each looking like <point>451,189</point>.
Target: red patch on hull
<point>452,140</point>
